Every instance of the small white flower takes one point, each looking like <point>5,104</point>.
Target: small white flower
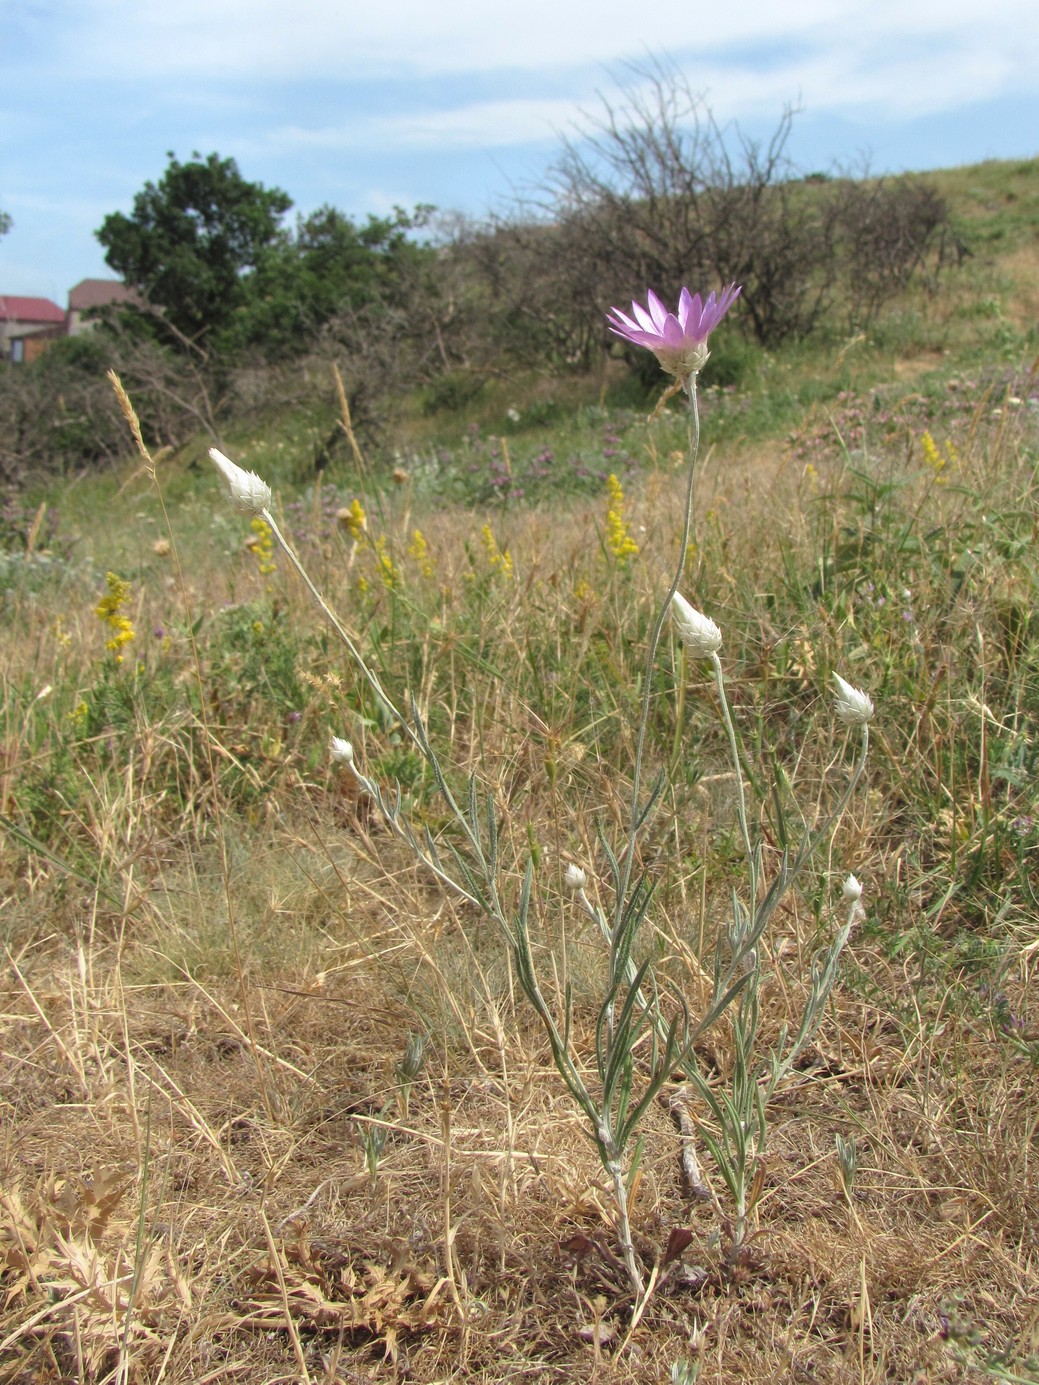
<point>852,705</point>
<point>697,632</point>
<point>342,751</point>
<point>851,890</point>
<point>249,494</point>
<point>574,878</point>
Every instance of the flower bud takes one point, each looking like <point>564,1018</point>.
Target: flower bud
<point>852,890</point>
<point>342,751</point>
<point>249,494</point>
<point>852,705</point>
<point>697,632</point>
<point>574,878</point>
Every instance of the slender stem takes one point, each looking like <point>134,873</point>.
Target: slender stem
<point>404,835</point>
<point>620,1196</point>
<point>651,654</point>
<point>829,823</point>
<point>367,672</point>
<point>734,752</point>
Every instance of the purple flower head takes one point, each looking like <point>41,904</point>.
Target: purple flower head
<point>678,340</point>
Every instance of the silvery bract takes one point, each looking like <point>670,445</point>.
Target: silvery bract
<point>342,751</point>
<point>697,632</point>
<point>574,878</point>
<point>852,705</point>
<point>851,890</point>
<point>249,494</point>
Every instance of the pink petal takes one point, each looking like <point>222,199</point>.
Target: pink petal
<point>657,309</point>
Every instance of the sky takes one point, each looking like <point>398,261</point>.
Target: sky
<point>371,104</point>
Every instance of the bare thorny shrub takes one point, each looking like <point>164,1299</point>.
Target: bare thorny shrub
<point>53,411</point>
<point>653,191</point>
<point>59,415</point>
<point>893,230</point>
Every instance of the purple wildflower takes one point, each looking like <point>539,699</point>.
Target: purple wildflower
<point>678,340</point>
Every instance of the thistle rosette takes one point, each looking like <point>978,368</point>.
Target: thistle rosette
<point>678,340</point>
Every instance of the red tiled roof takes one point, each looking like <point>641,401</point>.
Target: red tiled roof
<point>14,309</point>
<point>97,293</point>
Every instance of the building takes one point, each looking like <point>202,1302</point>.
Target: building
<point>92,294</point>
<point>27,324</point>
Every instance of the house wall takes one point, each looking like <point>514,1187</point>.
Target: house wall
<point>12,330</point>
<point>35,345</point>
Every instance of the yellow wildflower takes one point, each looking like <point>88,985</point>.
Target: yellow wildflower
<point>419,550</point>
<point>261,545</point>
<point>388,570</point>
<point>499,561</point>
<point>937,460</point>
<point>618,539</point>
<point>109,610</point>
<point>352,518</point>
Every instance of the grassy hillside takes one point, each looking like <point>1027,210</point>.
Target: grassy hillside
<point>275,1103</point>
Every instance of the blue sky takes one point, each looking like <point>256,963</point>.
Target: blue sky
<point>462,103</point>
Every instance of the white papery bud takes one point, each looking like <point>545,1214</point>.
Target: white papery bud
<point>852,705</point>
<point>574,878</point>
<point>342,752</point>
<point>697,632</point>
<point>851,890</point>
<point>249,494</point>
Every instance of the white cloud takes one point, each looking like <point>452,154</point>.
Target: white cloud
<point>853,81</point>
<point>351,38</point>
<point>228,40</point>
<point>480,125</point>
<point>849,79</point>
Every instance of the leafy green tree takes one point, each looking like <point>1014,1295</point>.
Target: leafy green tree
<point>193,242</point>
<point>332,266</point>
<point>5,223</point>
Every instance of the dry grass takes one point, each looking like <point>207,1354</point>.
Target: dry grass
<point>192,1054</point>
<point>169,1215</point>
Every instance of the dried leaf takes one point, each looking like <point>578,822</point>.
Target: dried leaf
<point>677,1242</point>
